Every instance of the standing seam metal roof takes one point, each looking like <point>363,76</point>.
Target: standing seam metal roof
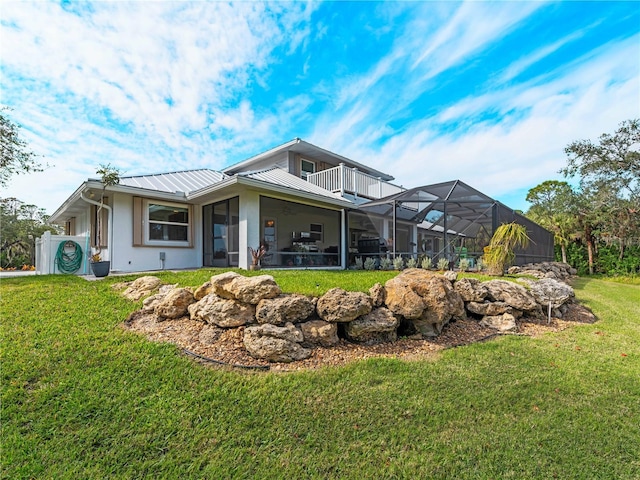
<point>183,181</point>
<point>277,176</point>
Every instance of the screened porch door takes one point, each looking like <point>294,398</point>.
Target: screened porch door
<point>221,244</point>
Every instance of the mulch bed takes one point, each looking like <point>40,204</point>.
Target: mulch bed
<point>201,341</point>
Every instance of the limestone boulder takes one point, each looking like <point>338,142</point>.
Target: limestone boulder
<point>142,287</point>
<point>222,312</point>
<point>428,299</point>
<point>275,344</point>
<point>219,284</point>
<point>245,289</point>
<point>338,305</point>
<point>285,308</point>
<point>174,304</point>
<point>552,291</point>
<point>511,293</point>
<point>450,275</point>
<point>489,308</point>
<point>203,290</point>
<point>378,295</point>
<point>378,326</point>
<point>471,290</point>
<point>503,323</point>
<point>402,300</point>
<point>319,333</point>
<point>149,304</point>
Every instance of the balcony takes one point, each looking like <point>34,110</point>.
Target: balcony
<point>346,180</point>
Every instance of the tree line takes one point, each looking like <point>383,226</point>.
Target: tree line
<point>596,218</point>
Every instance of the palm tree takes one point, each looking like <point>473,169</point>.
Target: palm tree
<point>501,250</point>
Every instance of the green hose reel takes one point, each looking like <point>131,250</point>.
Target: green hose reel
<point>69,257</point>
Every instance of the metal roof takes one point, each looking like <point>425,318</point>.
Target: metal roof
<point>183,181</point>
<point>277,176</point>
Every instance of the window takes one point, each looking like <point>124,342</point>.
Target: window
<point>307,167</point>
<point>157,223</point>
<point>168,223</point>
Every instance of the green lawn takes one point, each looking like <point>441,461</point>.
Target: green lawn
<point>83,398</point>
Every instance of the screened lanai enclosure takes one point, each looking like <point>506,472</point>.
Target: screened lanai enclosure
<point>448,220</point>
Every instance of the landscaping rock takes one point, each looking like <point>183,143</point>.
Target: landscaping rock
<point>509,292</point>
<point>204,290</point>
<point>245,289</point>
<point>489,308</point>
<point>503,323</point>
<point>428,299</point>
<point>174,304</point>
<point>378,326</point>
<point>141,287</point>
<point>338,305</point>
<point>550,290</point>
<point>471,290</point>
<point>450,275</point>
<point>378,295</point>
<point>220,284</point>
<point>319,332</point>
<point>275,344</point>
<point>285,308</point>
<point>149,304</point>
<point>222,312</point>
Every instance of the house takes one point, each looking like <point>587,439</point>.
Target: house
<point>309,207</point>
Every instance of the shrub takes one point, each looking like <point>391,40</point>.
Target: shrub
<point>443,264</point>
<point>385,263</point>
<point>412,263</point>
<point>398,263</point>
<point>370,263</point>
<point>357,264</point>
<point>426,263</point>
<point>463,265</point>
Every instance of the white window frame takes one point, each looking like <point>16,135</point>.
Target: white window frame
<point>304,173</point>
<point>169,243</point>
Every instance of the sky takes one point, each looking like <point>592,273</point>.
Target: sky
<point>486,92</point>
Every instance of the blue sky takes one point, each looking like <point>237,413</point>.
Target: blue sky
<point>486,92</point>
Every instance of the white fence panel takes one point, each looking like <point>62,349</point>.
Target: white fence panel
<point>47,248</point>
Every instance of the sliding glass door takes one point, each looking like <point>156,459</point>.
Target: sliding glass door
<point>221,245</point>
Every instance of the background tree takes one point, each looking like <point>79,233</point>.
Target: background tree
<point>20,225</point>
<point>16,157</point>
<point>609,197</point>
<point>554,208</point>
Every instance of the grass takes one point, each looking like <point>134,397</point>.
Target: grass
<point>83,398</point>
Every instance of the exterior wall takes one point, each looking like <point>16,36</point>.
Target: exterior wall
<point>127,258</point>
<point>249,226</point>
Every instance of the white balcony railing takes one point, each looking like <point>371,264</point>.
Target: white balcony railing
<point>343,179</point>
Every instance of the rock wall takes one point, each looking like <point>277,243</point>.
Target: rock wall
<point>282,327</point>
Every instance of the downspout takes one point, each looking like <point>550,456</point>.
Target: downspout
<point>109,225</point>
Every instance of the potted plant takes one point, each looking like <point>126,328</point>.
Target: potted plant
<point>99,267</point>
<point>256,256</point>
<point>109,176</point>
